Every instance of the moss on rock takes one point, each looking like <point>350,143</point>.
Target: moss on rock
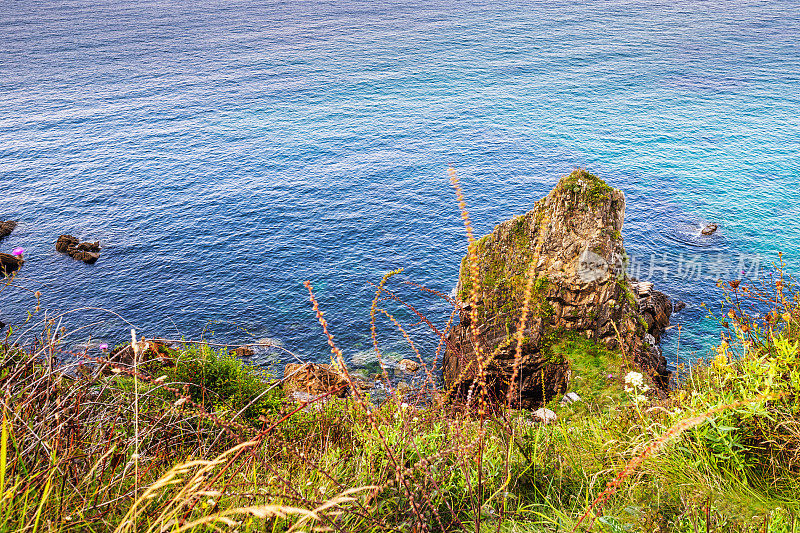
<point>586,186</point>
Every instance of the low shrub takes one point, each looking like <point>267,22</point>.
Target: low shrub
<point>222,383</point>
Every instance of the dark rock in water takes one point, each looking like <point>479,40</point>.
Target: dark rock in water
<point>572,239</point>
<point>87,257</point>
<point>65,243</point>
<point>89,246</point>
<point>244,351</point>
<point>709,229</point>
<point>6,227</point>
<point>678,306</point>
<point>88,252</point>
<point>10,264</point>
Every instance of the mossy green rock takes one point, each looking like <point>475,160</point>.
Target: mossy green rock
<point>579,285</point>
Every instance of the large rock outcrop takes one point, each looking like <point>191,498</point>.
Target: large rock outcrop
<point>573,238</point>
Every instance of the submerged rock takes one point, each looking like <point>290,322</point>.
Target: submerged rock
<point>572,239</point>
<point>6,227</point>
<point>402,388</point>
<point>244,352</point>
<point>408,366</point>
<point>10,264</point>
<point>88,252</point>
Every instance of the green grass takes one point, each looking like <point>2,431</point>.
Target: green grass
<point>222,383</point>
<point>597,372</point>
<point>587,187</point>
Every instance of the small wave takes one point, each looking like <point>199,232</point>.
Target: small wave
<point>363,358</point>
<point>689,233</point>
<point>268,342</point>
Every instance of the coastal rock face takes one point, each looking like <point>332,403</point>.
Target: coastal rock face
<point>572,239</point>
<point>6,227</point>
<point>88,252</point>
<point>10,264</point>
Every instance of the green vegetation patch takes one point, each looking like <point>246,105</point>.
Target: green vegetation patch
<point>597,371</point>
<point>593,189</point>
<point>221,382</point>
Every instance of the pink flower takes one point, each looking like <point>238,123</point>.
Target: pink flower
<point>18,251</point>
<point>104,347</point>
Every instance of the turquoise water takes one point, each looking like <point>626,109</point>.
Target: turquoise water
<point>225,152</point>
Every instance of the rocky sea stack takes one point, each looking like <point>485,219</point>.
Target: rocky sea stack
<point>571,239</point>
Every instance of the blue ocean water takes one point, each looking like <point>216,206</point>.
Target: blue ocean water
<point>224,152</point>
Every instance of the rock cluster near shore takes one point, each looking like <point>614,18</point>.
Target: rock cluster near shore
<point>88,252</point>
<point>8,263</point>
<point>578,286</point>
